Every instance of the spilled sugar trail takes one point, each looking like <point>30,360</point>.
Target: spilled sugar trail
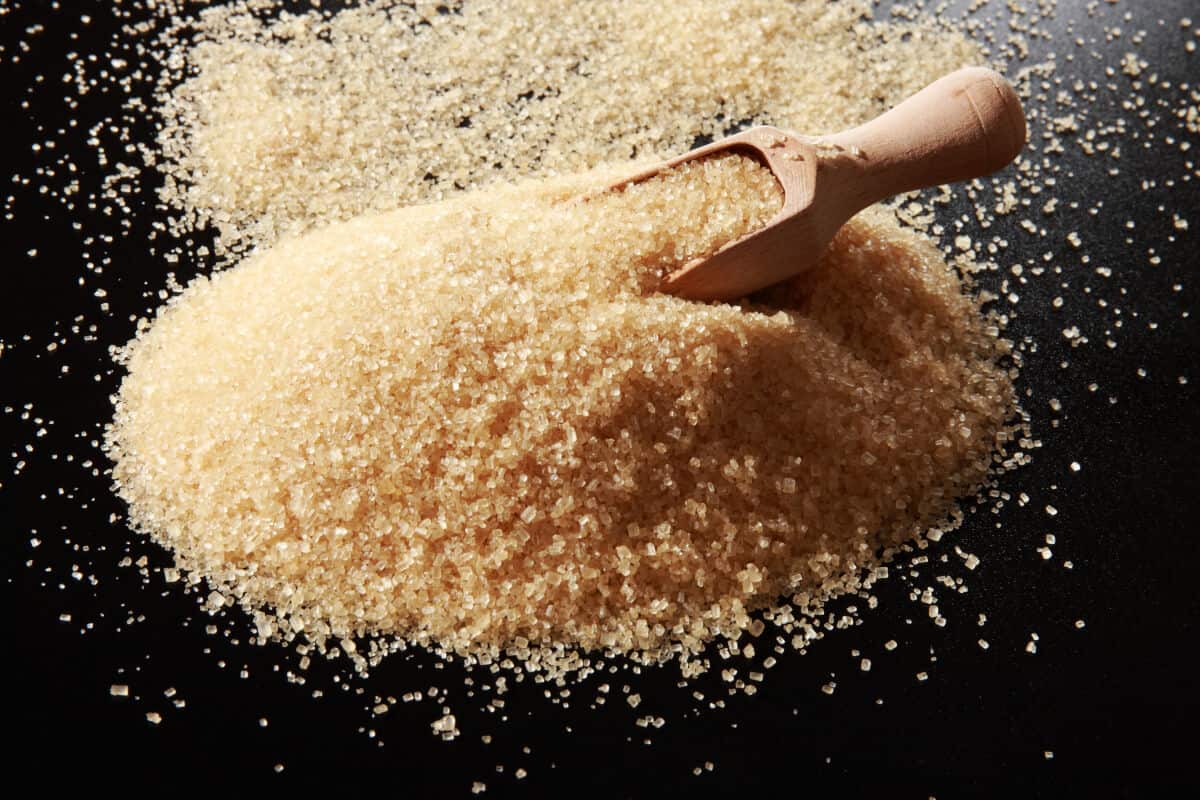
<point>275,123</point>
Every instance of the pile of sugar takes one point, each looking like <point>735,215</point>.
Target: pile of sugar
<point>273,123</point>
<point>474,423</point>
<point>1086,303</point>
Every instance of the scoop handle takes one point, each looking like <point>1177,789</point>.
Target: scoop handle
<point>964,125</point>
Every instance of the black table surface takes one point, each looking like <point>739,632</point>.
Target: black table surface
<point>1113,701</point>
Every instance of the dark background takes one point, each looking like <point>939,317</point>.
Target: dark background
<point>1115,702</point>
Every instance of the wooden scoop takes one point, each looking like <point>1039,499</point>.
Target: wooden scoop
<point>964,125</point>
